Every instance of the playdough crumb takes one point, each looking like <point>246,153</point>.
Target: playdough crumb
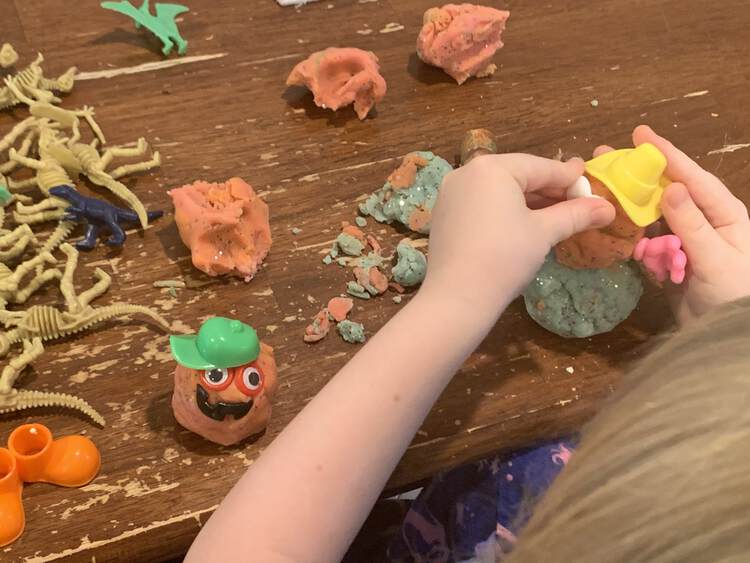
<point>349,245</point>
<point>342,261</point>
<point>296,231</point>
<point>319,328</point>
<point>351,332</point>
<point>339,308</point>
<point>594,103</point>
<point>411,267</point>
<point>169,283</point>
<point>353,288</point>
<point>327,259</point>
<point>570,369</point>
<point>361,221</point>
<point>397,299</point>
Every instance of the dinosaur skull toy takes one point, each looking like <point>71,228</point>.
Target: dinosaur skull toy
<point>224,381</point>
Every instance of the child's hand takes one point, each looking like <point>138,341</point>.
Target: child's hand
<point>495,221</point>
<point>714,228</point>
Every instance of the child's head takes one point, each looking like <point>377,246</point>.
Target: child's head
<point>662,473</point>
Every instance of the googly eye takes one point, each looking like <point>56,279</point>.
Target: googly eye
<point>251,381</point>
<point>216,379</point>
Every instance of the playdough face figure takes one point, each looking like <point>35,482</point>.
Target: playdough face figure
<point>633,181</point>
<point>224,381</point>
<point>601,248</point>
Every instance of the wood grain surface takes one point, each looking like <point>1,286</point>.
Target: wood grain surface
<point>669,63</point>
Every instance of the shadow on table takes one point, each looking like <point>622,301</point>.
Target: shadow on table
<point>137,38</point>
<point>299,97</point>
<point>427,74</point>
<point>179,254</point>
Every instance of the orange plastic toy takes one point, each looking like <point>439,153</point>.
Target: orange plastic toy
<point>34,457</point>
<point>12,519</point>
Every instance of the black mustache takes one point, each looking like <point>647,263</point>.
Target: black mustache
<point>219,411</point>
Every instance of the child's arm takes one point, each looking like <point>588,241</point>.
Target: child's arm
<point>714,228</point>
<point>307,495</point>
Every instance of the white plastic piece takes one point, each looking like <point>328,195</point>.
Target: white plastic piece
<point>581,188</point>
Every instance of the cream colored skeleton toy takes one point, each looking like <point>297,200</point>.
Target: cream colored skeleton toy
<point>49,143</point>
<point>43,323</point>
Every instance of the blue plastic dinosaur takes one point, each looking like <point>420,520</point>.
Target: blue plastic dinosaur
<point>162,24</point>
<point>97,213</point>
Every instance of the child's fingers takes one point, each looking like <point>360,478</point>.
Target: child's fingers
<point>535,173</point>
<point>701,241</point>
<point>602,149</point>
<point>718,204</point>
<point>564,219</point>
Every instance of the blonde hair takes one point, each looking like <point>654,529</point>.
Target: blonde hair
<point>663,473</point>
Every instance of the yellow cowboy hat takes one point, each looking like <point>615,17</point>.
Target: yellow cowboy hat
<point>636,178</point>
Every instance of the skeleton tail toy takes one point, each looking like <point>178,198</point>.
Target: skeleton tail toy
<point>48,323</point>
<point>18,400</point>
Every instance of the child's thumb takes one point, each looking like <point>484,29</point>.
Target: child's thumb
<point>564,219</point>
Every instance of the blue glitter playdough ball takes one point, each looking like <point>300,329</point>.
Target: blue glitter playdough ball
<point>582,303</point>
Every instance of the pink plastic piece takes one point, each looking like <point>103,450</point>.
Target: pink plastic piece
<point>662,256</point>
<point>462,39</point>
<point>338,77</point>
<point>224,225</point>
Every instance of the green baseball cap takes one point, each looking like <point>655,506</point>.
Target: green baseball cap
<point>220,343</point>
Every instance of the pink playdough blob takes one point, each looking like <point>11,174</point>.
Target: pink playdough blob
<point>338,77</point>
<point>662,256</point>
<point>462,39</point>
<point>225,226</point>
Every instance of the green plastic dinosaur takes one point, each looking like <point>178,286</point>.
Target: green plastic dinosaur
<point>162,25</point>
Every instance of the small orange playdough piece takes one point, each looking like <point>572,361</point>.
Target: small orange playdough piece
<point>338,77</point>
<point>225,226</point>
<point>378,280</point>
<point>406,173</point>
<point>353,231</point>
<point>340,307</point>
<point>319,328</point>
<point>376,248</point>
<point>462,39</point>
<point>419,219</point>
<point>601,248</point>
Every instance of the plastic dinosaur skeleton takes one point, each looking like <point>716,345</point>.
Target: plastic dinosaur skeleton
<point>61,157</point>
<point>12,400</point>
<point>8,55</point>
<point>13,243</point>
<point>30,81</point>
<point>43,323</point>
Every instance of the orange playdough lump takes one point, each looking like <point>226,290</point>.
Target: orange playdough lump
<point>601,248</point>
<point>462,39</point>
<point>338,77</point>
<point>339,308</point>
<point>406,173</point>
<point>225,226</point>
<point>231,430</point>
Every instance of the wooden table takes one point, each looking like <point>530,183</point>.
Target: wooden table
<point>669,63</point>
